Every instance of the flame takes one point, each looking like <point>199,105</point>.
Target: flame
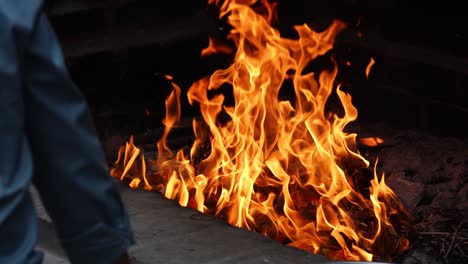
<point>369,67</point>
<point>125,166</point>
<point>371,141</point>
<point>214,47</point>
<point>283,168</point>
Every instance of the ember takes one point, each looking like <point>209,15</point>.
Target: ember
<point>283,168</point>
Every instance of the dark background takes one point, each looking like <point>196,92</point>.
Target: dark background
<point>119,51</point>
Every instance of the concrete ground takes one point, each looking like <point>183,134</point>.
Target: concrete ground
<point>167,233</point>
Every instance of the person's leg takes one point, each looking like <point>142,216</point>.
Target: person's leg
<point>17,216</point>
<point>71,174</point>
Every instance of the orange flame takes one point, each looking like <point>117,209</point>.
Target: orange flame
<point>277,167</point>
<point>215,47</point>
<point>371,141</point>
<point>125,166</point>
<point>369,67</point>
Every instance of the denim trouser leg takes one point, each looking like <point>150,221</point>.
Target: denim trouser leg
<point>50,139</point>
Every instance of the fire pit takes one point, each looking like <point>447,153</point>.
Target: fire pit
<point>283,167</point>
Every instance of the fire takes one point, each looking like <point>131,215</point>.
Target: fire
<point>369,67</point>
<point>371,141</point>
<point>125,165</point>
<point>215,47</point>
<point>283,168</point>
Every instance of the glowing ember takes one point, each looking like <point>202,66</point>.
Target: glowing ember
<point>281,168</point>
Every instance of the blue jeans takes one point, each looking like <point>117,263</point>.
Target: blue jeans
<point>47,138</point>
